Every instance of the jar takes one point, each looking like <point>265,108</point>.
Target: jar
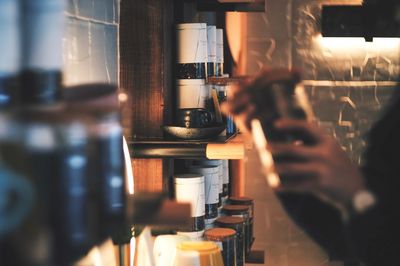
<point>189,188</point>
<point>212,50</point>
<point>193,93</point>
<point>225,238</point>
<point>192,50</point>
<point>211,182</point>
<point>248,202</point>
<point>240,211</point>
<point>209,223</point>
<point>237,224</point>
<point>198,253</point>
<point>225,179</point>
<point>217,163</point>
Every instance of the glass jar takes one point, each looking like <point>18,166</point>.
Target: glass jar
<point>225,238</point>
<point>237,224</point>
<point>248,202</point>
<point>243,212</point>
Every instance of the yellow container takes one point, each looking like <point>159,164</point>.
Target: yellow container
<point>198,253</point>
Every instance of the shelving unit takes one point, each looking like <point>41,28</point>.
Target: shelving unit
<point>230,147</point>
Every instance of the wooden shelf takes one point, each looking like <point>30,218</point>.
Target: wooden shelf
<point>230,147</point>
<point>224,5</point>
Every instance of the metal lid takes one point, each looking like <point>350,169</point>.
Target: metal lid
<point>241,200</point>
<point>200,169</point>
<point>188,179</point>
<point>229,221</point>
<point>183,26</point>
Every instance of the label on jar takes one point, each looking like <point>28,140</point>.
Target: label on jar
<point>193,194</point>
<point>192,43</point>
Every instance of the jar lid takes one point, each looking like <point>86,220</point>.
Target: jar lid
<point>183,26</point>
<point>219,234</point>
<point>235,209</point>
<point>229,221</point>
<point>188,82</point>
<point>241,200</point>
<point>188,179</point>
<point>204,169</point>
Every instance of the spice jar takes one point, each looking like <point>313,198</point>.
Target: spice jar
<point>225,180</point>
<point>217,163</point>
<point>240,211</point>
<point>211,182</point>
<point>248,202</point>
<point>212,50</point>
<point>225,238</point>
<point>190,188</point>
<point>193,93</point>
<point>192,50</point>
<point>237,224</point>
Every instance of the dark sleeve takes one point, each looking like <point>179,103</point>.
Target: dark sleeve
<point>320,221</point>
<point>375,235</point>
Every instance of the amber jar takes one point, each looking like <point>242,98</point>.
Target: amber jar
<point>237,224</point>
<point>225,238</point>
<point>240,211</point>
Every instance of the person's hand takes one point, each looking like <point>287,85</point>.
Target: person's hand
<point>244,101</point>
<point>319,166</point>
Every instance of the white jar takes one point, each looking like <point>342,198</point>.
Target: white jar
<point>211,181</point>
<point>193,93</point>
<point>192,54</point>
<point>189,188</point>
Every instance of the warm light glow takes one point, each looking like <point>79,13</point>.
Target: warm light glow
<point>128,169</point>
<point>340,44</point>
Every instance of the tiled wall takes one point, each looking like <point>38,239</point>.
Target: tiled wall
<point>91,42</point>
<point>348,81</point>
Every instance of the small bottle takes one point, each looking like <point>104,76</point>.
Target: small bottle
<point>248,202</point>
<point>243,212</point>
<point>190,188</point>
<point>225,238</point>
<point>237,224</point>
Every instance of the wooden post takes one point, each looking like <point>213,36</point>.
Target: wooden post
<point>145,63</point>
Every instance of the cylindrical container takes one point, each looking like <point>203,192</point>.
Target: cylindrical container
<point>240,211</point>
<point>225,238</point>
<point>203,253</point>
<point>219,67</point>
<point>209,223</point>
<point>192,51</point>
<point>190,188</point>
<point>43,31</point>
<point>71,222</point>
<point>211,181</point>
<point>164,248</point>
<point>237,224</point>
<point>193,93</point>
<point>108,170</point>
<point>225,179</point>
<point>217,163</point>
<point>248,202</point>
<point>9,51</point>
<point>212,50</point>
<point>193,236</point>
